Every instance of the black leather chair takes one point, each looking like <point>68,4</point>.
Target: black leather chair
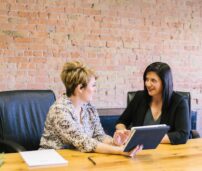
<point>22,118</point>
<point>193,133</point>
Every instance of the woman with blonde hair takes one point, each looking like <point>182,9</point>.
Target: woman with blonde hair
<point>72,122</point>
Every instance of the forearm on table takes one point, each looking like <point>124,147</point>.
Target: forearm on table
<point>108,140</point>
<point>109,149</point>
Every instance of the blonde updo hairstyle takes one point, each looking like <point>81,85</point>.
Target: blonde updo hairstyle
<point>75,73</point>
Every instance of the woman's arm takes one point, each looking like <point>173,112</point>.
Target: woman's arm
<point>110,149</point>
<point>127,116</point>
<point>73,133</point>
<point>99,133</point>
<point>121,135</point>
<point>181,124</point>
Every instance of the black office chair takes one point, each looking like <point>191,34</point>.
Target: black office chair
<point>22,118</point>
<point>193,133</point>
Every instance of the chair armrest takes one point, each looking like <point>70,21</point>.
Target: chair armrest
<point>195,134</point>
<point>10,146</point>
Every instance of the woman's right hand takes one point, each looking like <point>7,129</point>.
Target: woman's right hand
<point>121,136</point>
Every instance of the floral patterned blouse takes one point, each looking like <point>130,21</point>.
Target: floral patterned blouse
<point>64,130</point>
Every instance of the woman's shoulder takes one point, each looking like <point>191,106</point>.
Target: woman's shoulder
<point>61,103</point>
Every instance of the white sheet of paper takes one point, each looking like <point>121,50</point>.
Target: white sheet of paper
<point>43,158</point>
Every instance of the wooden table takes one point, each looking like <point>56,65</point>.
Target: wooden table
<point>187,157</point>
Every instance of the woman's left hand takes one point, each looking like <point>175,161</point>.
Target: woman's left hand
<point>121,136</point>
<point>137,149</point>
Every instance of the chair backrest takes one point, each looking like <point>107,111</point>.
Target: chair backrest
<point>130,96</point>
<point>23,114</point>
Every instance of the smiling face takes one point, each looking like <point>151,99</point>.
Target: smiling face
<point>153,84</point>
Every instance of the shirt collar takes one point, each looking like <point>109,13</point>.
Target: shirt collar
<point>72,108</point>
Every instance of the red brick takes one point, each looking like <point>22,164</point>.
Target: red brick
<point>91,11</point>
<point>114,44</point>
<point>22,40</point>
<point>37,59</point>
<point>118,38</point>
<point>56,10</point>
<point>75,54</point>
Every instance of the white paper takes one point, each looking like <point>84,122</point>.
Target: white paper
<point>43,158</point>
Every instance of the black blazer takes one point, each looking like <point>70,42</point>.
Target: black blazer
<point>177,116</point>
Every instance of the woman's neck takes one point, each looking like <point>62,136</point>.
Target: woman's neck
<point>156,107</point>
<point>157,99</point>
<point>77,103</point>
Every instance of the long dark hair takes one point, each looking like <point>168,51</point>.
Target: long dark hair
<point>163,70</point>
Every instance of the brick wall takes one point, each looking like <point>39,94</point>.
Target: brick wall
<point>118,38</point>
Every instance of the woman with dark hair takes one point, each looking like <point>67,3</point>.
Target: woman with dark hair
<point>156,104</point>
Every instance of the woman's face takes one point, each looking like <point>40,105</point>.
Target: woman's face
<point>153,84</point>
<point>89,90</point>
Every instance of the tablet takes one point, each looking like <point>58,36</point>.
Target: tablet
<point>148,136</point>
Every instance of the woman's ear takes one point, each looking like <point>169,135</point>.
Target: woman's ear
<point>78,88</point>
<point>81,86</point>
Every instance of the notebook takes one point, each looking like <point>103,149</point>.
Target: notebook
<point>148,136</point>
<point>48,157</point>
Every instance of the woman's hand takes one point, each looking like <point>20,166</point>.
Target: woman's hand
<point>121,137</point>
<point>112,149</point>
<point>133,152</point>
